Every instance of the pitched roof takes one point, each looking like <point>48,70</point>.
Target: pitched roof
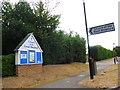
<point>22,42</point>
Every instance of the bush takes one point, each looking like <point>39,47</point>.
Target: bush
<point>64,48</point>
<point>8,65</point>
<point>117,50</point>
<point>0,65</point>
<point>99,53</point>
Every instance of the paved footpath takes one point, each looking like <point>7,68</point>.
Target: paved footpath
<point>71,82</point>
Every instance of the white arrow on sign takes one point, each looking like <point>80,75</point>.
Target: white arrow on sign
<point>91,31</point>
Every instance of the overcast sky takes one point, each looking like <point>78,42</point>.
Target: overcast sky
<point>98,12</point>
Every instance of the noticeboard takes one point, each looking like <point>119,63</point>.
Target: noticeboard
<point>28,51</point>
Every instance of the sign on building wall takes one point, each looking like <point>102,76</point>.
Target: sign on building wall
<point>28,51</point>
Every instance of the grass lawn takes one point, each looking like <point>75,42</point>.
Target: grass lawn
<point>106,78</point>
<point>50,73</point>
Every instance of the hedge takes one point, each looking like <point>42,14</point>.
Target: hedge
<point>0,65</point>
<point>117,50</point>
<point>8,65</point>
<point>99,53</point>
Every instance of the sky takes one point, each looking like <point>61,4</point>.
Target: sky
<point>98,12</point>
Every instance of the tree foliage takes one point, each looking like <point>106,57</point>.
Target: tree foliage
<point>20,19</point>
<point>117,50</point>
<point>99,53</point>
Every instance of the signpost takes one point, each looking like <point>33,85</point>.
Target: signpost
<point>95,30</point>
<point>89,55</point>
<point>102,29</point>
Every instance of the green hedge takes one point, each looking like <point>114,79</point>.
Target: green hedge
<point>63,48</point>
<point>0,65</point>
<point>99,53</point>
<point>117,50</point>
<point>8,65</point>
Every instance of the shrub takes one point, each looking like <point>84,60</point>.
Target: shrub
<point>8,65</point>
<point>99,53</point>
<point>0,65</point>
<point>117,50</point>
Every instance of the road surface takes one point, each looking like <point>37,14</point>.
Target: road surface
<point>71,82</point>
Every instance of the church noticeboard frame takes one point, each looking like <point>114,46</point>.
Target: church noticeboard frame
<point>28,51</point>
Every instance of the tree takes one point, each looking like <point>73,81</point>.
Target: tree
<point>20,19</point>
<point>16,24</point>
<point>45,21</point>
<point>79,49</point>
<point>59,47</point>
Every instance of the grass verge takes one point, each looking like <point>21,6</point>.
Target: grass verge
<point>106,78</point>
<point>50,73</point>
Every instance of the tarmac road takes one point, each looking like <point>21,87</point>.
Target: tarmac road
<point>71,82</point>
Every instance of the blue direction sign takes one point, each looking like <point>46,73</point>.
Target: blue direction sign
<point>102,29</point>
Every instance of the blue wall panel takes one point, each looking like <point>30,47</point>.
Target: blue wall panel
<point>30,57</point>
<point>23,57</point>
<point>39,57</point>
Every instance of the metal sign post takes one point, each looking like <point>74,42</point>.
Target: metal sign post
<point>90,61</point>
